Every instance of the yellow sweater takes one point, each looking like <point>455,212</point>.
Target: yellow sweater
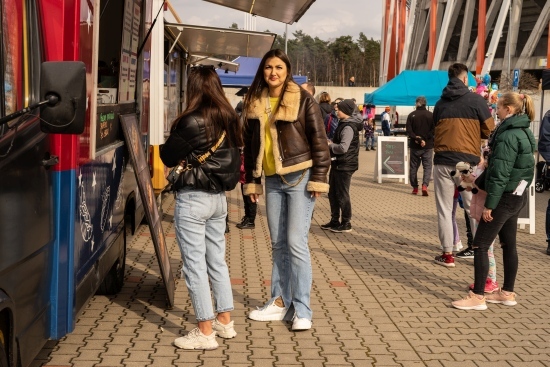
<point>269,159</point>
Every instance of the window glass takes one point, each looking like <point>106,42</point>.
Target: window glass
<point>11,56</point>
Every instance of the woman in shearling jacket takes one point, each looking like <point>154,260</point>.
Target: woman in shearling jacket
<point>511,161</point>
<point>285,139</point>
<point>201,206</point>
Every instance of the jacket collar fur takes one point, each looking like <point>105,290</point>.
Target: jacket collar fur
<point>288,108</point>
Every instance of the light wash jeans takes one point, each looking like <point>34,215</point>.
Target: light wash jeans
<point>371,142</point>
<point>200,231</point>
<point>289,212</point>
<point>444,188</point>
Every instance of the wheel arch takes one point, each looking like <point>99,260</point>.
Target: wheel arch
<point>7,327</point>
<point>130,212</point>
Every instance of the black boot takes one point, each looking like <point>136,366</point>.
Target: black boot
<point>246,223</point>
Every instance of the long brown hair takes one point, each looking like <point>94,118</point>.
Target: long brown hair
<point>259,83</point>
<point>206,96</point>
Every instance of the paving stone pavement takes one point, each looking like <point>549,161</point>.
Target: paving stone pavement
<point>378,298</point>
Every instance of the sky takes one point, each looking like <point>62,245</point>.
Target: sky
<point>326,19</point>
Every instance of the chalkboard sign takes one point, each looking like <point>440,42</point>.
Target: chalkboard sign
<point>392,158</point>
<point>107,127</point>
<point>131,133</point>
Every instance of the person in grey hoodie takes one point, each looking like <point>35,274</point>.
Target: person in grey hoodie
<point>462,119</point>
<point>344,150</point>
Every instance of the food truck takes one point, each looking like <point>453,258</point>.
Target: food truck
<point>89,88</point>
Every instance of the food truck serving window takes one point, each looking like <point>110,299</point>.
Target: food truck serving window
<point>119,36</point>
<point>10,56</point>
<point>19,59</point>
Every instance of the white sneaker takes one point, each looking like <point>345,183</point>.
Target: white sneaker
<point>301,324</point>
<point>224,331</point>
<point>271,312</point>
<point>458,247</point>
<point>195,339</point>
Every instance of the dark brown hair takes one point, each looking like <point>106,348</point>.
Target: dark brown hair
<point>259,83</point>
<point>324,97</point>
<point>205,95</point>
<point>457,69</point>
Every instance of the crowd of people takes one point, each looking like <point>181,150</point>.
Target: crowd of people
<point>290,148</point>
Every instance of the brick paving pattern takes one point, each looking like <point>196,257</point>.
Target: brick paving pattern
<point>378,298</point>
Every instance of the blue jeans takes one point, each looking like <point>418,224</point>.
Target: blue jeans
<point>289,212</point>
<point>370,142</point>
<point>200,231</point>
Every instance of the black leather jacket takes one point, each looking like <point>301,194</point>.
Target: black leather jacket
<point>219,173</point>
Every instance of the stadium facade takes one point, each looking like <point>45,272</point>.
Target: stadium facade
<point>432,34</point>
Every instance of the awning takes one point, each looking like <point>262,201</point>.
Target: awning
<point>217,63</point>
<point>286,11</point>
<point>247,70</point>
<point>409,84</point>
<point>209,41</point>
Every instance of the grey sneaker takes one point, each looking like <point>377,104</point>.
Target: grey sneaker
<point>195,339</point>
<point>224,331</point>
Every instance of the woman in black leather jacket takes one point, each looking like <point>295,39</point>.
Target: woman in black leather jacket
<point>201,205</point>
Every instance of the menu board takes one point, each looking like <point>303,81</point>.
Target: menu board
<point>130,128</point>
<point>392,158</point>
<point>128,57</point>
<point>107,127</point>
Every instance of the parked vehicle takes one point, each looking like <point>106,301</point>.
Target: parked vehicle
<point>67,191</point>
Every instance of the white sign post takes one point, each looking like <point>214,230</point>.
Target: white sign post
<point>527,214</point>
<point>392,158</point>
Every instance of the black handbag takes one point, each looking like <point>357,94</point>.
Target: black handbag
<point>480,180</point>
<point>176,172</point>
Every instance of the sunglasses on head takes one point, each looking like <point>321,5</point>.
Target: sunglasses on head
<point>201,67</point>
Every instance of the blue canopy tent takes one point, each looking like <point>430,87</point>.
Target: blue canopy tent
<point>247,70</point>
<point>409,84</point>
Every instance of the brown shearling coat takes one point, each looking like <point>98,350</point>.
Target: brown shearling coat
<point>299,139</point>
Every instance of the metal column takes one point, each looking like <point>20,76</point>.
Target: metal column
<point>449,9</point>
<point>491,15</point>
<point>513,31</point>
<point>534,38</point>
<point>387,46</point>
<point>467,23</point>
<point>497,32</point>
<point>408,35</point>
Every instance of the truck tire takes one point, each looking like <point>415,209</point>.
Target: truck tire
<point>114,280</point>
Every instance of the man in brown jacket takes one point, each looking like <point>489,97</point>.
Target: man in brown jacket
<point>462,118</point>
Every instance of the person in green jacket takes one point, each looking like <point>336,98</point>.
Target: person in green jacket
<point>507,178</point>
